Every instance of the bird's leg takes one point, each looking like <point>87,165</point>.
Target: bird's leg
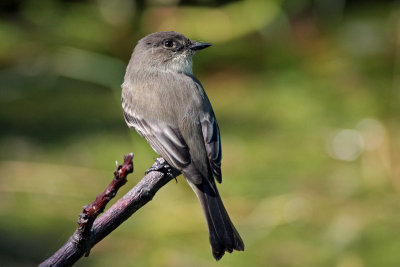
<point>161,165</point>
<point>157,166</point>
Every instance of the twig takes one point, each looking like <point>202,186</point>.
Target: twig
<point>91,231</point>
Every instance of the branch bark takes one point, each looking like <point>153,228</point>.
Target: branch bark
<point>91,230</point>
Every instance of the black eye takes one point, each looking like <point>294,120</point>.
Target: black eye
<point>168,43</point>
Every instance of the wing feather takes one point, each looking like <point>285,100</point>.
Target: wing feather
<point>212,140</point>
<point>166,141</point>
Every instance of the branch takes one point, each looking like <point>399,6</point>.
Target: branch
<point>91,230</point>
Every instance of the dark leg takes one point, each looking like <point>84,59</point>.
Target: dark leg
<point>162,166</point>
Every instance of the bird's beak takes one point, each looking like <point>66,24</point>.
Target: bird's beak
<point>198,46</point>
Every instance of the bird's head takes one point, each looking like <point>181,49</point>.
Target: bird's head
<point>167,51</point>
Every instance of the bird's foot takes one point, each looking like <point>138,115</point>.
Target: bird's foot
<point>161,165</point>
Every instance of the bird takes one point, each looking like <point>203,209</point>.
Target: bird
<point>167,105</point>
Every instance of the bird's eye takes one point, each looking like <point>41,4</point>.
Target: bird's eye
<point>168,43</point>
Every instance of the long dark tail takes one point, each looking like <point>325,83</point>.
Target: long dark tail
<point>223,235</point>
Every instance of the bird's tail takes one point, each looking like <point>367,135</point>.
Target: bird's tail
<point>223,235</point>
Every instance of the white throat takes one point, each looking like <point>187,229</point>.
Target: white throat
<point>182,63</point>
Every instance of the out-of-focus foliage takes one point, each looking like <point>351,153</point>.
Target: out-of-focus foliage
<point>307,97</point>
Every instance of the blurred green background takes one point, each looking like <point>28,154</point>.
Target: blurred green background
<point>307,97</point>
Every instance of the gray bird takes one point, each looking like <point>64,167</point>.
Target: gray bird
<point>167,106</point>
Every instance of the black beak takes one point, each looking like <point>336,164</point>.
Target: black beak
<point>198,46</point>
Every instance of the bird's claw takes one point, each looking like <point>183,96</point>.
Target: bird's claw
<point>164,167</point>
<point>157,166</point>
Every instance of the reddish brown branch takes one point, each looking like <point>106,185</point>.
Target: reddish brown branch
<point>91,211</point>
<point>91,230</point>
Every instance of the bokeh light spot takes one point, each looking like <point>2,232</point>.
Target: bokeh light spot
<point>346,145</point>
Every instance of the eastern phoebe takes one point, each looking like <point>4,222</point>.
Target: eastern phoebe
<point>167,106</point>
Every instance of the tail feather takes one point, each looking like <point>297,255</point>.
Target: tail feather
<point>223,235</point>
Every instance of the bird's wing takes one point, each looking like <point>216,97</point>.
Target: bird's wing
<point>212,140</point>
<point>166,141</point>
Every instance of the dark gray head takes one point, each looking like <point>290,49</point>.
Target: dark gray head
<point>169,51</point>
